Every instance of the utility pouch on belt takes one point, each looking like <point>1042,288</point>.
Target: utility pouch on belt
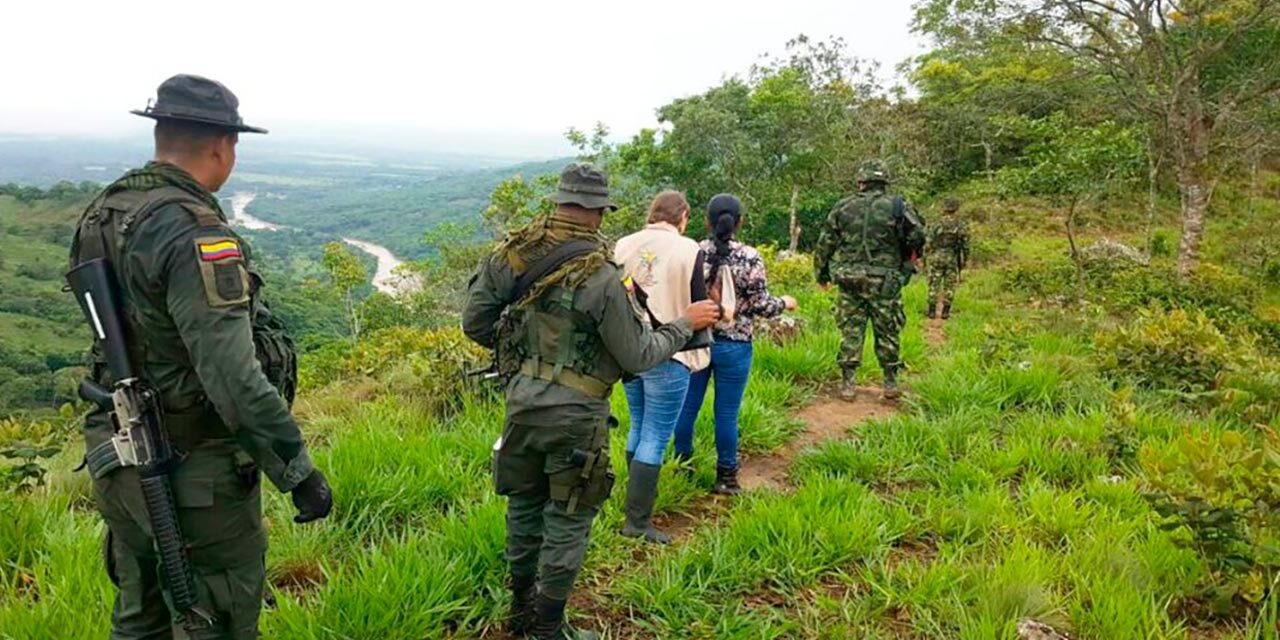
<point>590,481</point>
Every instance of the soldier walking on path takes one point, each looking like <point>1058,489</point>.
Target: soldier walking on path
<point>945,254</point>
<point>218,367</point>
<point>868,247</point>
<point>565,326</point>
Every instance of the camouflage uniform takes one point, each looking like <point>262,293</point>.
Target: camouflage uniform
<point>563,346</point>
<point>946,252</point>
<point>865,249</point>
<point>202,338</point>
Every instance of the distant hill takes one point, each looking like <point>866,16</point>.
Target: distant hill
<point>393,207</point>
<point>388,196</point>
<point>41,332</point>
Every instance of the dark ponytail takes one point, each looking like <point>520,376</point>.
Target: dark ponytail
<point>723,212</point>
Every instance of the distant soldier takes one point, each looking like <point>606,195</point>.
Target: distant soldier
<point>946,253</point>
<point>565,327</point>
<point>221,366</point>
<point>868,247</point>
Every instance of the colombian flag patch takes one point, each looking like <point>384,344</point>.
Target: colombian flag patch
<point>629,284</point>
<point>218,250</point>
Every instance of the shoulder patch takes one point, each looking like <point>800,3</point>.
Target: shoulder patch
<point>629,284</point>
<point>223,271</point>
<point>218,249</point>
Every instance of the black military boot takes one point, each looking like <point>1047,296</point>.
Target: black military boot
<point>891,390</point>
<point>726,482</point>
<point>523,592</point>
<point>849,384</point>
<point>549,622</point>
<point>946,311</point>
<point>642,492</point>
<point>932,311</point>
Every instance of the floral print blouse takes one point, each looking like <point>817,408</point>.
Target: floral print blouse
<point>750,286</point>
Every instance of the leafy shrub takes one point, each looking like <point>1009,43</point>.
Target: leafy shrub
<point>1167,350</point>
<point>1223,490</point>
<point>787,271</point>
<point>1049,279</point>
<point>1251,394</point>
<point>426,363</point>
<point>1161,244</point>
<point>26,471</point>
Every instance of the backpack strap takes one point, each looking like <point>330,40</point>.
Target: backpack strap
<point>548,264</point>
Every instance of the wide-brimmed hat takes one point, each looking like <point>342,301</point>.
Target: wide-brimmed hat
<point>196,99</point>
<point>584,185</point>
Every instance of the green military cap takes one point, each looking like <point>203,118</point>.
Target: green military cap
<point>951,205</point>
<point>195,99</point>
<point>873,171</point>
<point>584,185</point>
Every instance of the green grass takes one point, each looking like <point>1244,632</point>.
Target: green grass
<point>999,492</point>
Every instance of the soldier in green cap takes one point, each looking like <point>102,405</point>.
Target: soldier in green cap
<point>945,255</point>
<point>222,366</point>
<point>565,326</point>
<point>868,247</point>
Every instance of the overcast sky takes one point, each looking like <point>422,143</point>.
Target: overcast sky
<point>478,76</point>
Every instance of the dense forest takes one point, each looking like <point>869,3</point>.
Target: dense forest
<point>1089,448</point>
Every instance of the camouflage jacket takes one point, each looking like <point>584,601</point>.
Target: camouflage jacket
<point>190,296</point>
<point>947,244</point>
<point>868,234</point>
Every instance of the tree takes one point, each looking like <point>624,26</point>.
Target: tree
<point>346,273</point>
<point>786,138</point>
<point>1072,165</point>
<point>1202,73</point>
<point>981,72</point>
<point>515,201</point>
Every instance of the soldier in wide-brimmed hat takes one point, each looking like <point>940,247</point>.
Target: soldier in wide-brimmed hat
<point>565,327</point>
<point>222,367</point>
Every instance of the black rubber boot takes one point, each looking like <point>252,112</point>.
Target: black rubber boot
<point>642,492</point>
<point>549,622</point>
<point>946,311</point>
<point>726,482</point>
<point>932,311</point>
<point>891,390</point>
<point>849,384</point>
<point>523,592</point>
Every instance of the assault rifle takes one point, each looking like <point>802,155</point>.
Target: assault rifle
<point>140,439</point>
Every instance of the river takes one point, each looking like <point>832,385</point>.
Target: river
<point>385,278</point>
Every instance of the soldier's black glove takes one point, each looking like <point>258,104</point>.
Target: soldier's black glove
<point>312,498</point>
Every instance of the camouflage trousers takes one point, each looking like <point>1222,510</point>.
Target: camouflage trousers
<point>943,281</point>
<point>858,307</point>
<point>534,467</point>
<point>220,514</point>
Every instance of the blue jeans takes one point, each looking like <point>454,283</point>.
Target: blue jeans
<point>731,366</point>
<point>655,398</point>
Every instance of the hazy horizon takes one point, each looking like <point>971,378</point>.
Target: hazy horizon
<point>495,78</point>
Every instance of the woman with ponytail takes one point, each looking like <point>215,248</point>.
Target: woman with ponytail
<point>732,351</point>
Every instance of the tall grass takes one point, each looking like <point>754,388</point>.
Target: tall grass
<point>1005,488</point>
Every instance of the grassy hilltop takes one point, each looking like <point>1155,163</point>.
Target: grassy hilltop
<point>1019,480</point>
